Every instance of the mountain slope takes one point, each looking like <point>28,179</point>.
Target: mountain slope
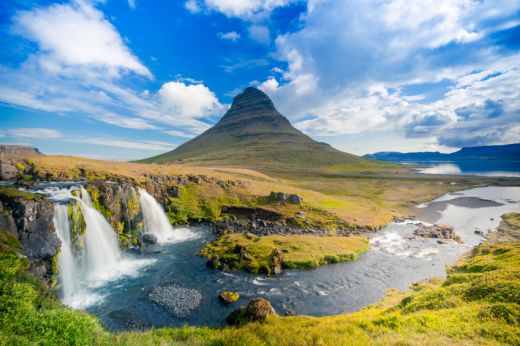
<point>509,152</point>
<point>254,134</point>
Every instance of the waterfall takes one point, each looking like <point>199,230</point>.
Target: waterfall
<point>101,251</point>
<point>155,220</point>
<point>67,265</point>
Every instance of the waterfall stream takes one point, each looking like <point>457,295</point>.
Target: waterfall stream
<point>101,251</point>
<point>156,221</point>
<point>100,260</point>
<point>67,263</point>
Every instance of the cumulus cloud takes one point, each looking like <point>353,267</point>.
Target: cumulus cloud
<point>189,101</point>
<point>230,36</point>
<point>77,35</point>
<point>349,64</point>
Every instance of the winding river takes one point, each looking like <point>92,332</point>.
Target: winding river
<point>396,259</point>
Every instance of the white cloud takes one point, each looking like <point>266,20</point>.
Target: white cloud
<point>189,101</point>
<point>230,36</point>
<point>31,132</point>
<point>192,6</point>
<point>131,3</point>
<point>77,35</point>
<point>244,9</point>
<point>347,65</point>
<point>259,33</point>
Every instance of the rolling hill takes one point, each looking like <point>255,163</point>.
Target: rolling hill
<point>254,134</point>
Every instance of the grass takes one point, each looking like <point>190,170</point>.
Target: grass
<point>366,199</point>
<point>508,230</point>
<point>299,251</point>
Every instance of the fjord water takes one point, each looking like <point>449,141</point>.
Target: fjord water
<point>396,259</point>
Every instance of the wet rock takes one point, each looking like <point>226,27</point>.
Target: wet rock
<point>479,232</point>
<point>228,297</point>
<point>29,217</point>
<point>149,238</point>
<point>257,310</point>
<point>437,232</point>
<point>178,300</point>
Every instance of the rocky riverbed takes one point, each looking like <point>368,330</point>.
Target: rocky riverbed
<point>176,299</point>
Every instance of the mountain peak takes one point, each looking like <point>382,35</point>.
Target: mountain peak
<point>254,134</point>
<point>251,100</point>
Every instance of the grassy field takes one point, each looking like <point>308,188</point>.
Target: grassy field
<point>299,251</point>
<point>478,304</point>
<point>370,197</point>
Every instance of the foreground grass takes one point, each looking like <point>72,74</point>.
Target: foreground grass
<point>299,251</point>
<point>478,304</point>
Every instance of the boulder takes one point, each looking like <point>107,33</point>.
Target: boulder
<point>284,197</point>
<point>228,297</point>
<point>257,310</point>
<point>437,232</point>
<point>149,238</point>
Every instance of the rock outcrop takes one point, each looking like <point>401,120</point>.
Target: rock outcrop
<point>29,217</point>
<point>256,311</point>
<point>438,232</point>
<point>228,297</point>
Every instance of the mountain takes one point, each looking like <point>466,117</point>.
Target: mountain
<point>509,152</point>
<point>254,134</point>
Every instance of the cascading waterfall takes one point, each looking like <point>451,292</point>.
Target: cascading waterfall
<point>67,264</point>
<point>101,251</point>
<point>156,222</point>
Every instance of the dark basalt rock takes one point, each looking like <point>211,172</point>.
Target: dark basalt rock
<point>149,238</point>
<point>178,300</point>
<point>30,219</point>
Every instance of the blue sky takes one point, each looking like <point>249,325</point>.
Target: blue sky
<point>123,80</point>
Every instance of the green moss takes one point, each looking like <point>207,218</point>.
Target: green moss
<point>78,226</point>
<point>13,193</point>
<point>20,167</point>
<point>254,254</point>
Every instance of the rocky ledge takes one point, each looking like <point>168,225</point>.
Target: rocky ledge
<point>178,300</point>
<point>440,232</point>
<point>29,218</point>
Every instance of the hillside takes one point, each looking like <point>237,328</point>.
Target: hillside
<point>509,152</point>
<point>254,134</point>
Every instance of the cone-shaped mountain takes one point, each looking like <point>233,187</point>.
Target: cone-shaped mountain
<point>254,134</point>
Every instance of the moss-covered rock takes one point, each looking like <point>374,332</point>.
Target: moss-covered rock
<point>228,297</point>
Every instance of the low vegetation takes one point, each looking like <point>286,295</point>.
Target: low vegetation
<point>340,195</point>
<point>254,254</point>
<point>508,230</point>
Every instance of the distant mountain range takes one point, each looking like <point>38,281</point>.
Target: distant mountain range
<point>509,152</point>
<point>254,134</point>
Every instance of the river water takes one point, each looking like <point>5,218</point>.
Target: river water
<point>394,261</point>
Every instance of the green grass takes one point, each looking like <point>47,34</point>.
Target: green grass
<point>299,251</point>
